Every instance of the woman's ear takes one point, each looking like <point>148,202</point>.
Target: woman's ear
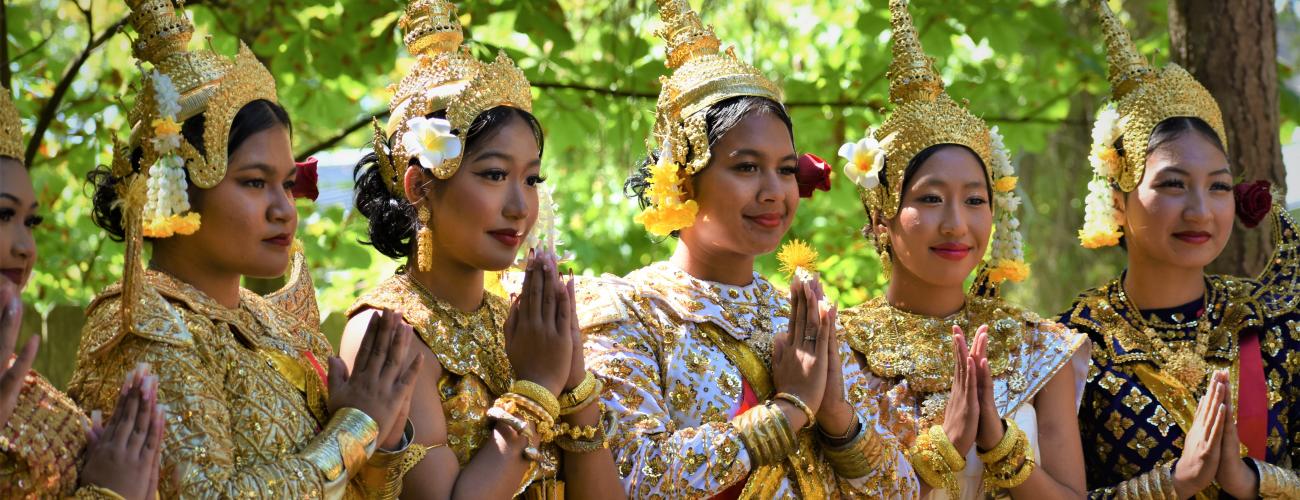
<point>688,186</point>
<point>416,183</point>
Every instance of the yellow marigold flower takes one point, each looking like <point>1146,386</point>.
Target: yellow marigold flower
<point>1098,238</point>
<point>796,255</point>
<point>165,126</point>
<point>1006,269</point>
<point>186,224</point>
<point>1005,184</point>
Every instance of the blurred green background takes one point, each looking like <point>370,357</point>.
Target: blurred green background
<point>1034,68</point>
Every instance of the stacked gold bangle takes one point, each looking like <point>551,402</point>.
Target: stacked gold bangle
<point>539,395</point>
<point>1009,463</point>
<point>798,403</point>
<point>855,458</point>
<point>1277,482</point>
<point>587,392</point>
<point>585,439</point>
<point>937,461</point>
<point>1155,484</point>
<point>766,434</point>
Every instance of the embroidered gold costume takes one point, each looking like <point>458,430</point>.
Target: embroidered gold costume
<point>244,391</point>
<point>680,358</point>
<point>471,349</point>
<point>1150,367</point>
<point>913,353</point>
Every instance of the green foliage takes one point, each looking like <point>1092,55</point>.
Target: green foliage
<point>1034,68</point>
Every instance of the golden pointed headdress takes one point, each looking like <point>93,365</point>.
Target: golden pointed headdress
<point>924,116</point>
<point>11,128</point>
<point>446,76</point>
<point>1145,97</point>
<point>180,85</point>
<point>702,76</point>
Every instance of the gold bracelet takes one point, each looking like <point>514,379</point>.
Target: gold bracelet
<point>570,400</point>
<point>930,464</point>
<point>1003,448</point>
<point>1277,482</point>
<point>500,413</point>
<point>93,492</point>
<point>541,395</point>
<point>779,427</point>
<point>522,406</point>
<point>946,449</point>
<point>1013,469</point>
<point>582,439</point>
<point>798,403</point>
<point>766,434</point>
<point>855,458</point>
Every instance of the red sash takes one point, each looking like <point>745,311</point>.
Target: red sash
<point>1252,396</point>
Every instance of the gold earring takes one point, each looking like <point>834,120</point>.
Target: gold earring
<point>424,241</point>
<point>882,248</point>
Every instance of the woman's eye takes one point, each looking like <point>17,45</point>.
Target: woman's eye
<point>930,198</point>
<point>34,221</point>
<point>493,175</point>
<point>534,180</point>
<point>746,167</point>
<point>1171,183</point>
<point>789,170</point>
<point>255,183</point>
<point>976,201</point>
<point>6,214</point>
<point>1220,186</point>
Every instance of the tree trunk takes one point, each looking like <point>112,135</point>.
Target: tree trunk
<point>1231,48</point>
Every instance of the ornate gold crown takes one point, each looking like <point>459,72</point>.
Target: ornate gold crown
<point>446,76</point>
<point>925,115</point>
<point>702,76</point>
<point>205,82</point>
<point>1145,97</point>
<point>11,128</point>
<point>181,84</point>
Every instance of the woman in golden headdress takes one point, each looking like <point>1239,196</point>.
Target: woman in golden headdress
<point>935,180</point>
<point>43,434</point>
<point>1193,388</point>
<point>723,386</point>
<point>253,409</point>
<point>454,188</point>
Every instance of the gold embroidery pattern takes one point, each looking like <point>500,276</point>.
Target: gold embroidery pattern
<point>234,423</point>
<point>41,444</point>
<point>691,450</point>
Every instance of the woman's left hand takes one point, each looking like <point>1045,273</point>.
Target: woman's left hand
<point>1234,476</point>
<point>991,429</point>
<point>836,416</point>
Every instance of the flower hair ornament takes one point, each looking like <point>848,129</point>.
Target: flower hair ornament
<point>925,116</point>
<point>1141,98</point>
<point>702,76</point>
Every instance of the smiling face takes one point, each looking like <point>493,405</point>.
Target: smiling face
<point>480,216</point>
<point>748,193</point>
<point>18,218</point>
<point>944,220</point>
<point>1181,213</point>
<point>248,219</point>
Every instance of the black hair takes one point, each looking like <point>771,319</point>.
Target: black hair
<point>719,119</point>
<point>257,116</point>
<point>392,221</point>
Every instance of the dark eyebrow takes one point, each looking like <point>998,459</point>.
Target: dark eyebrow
<point>1181,171</point>
<point>35,204</point>
<point>755,152</point>
<point>502,156</point>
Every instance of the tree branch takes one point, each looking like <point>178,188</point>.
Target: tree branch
<point>51,107</point>
<point>337,138</point>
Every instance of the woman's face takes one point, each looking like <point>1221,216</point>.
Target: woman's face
<point>944,220</point>
<point>1181,213</point>
<point>248,219</point>
<point>481,215</point>
<point>18,217</point>
<point>748,193</point>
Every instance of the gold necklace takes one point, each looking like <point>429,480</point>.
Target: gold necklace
<point>1185,365</point>
<point>483,327</point>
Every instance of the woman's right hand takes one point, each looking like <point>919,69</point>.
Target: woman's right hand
<point>12,376</point>
<point>382,377</point>
<point>1199,463</point>
<point>962,416</point>
<point>799,354</point>
<point>539,340</point>
<point>124,456</point>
